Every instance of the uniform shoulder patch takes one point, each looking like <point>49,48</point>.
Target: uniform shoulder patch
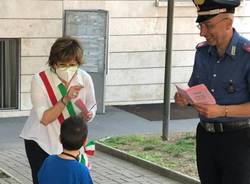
<point>246,47</point>
<point>202,44</point>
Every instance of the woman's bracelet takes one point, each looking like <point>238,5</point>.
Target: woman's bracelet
<point>63,101</point>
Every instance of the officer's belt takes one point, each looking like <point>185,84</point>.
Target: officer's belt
<point>217,127</point>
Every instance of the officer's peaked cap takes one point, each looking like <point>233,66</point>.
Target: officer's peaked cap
<point>207,9</point>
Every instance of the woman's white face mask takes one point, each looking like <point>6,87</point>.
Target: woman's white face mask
<point>66,73</point>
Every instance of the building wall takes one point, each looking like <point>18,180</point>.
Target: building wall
<point>38,24</point>
<point>136,43</point>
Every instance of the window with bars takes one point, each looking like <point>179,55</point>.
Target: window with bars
<point>9,73</point>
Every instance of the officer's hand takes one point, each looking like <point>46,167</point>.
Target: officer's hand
<point>179,100</point>
<point>210,111</point>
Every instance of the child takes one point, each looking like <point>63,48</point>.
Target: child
<point>65,168</point>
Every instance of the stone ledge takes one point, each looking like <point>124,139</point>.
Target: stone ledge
<point>146,164</point>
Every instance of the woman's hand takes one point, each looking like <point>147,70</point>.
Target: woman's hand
<point>73,92</point>
<point>87,116</point>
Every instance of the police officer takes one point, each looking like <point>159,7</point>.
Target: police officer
<point>222,63</point>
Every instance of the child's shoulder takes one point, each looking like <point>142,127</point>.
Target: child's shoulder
<point>52,158</point>
<point>85,174</point>
<point>83,169</point>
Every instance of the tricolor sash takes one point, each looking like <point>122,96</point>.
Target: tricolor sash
<point>69,106</point>
<point>51,93</point>
<point>53,99</point>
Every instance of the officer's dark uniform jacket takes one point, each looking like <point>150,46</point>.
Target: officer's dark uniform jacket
<point>227,78</point>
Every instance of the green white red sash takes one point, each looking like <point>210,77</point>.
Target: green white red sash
<point>69,106</point>
<point>53,98</point>
<point>50,92</point>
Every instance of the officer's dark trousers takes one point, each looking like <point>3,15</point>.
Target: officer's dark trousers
<point>36,156</point>
<point>223,158</point>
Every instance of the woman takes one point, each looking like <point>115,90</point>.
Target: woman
<point>53,95</point>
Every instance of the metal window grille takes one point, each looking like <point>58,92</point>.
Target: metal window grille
<point>9,73</point>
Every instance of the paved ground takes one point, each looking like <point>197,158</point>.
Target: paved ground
<point>106,169</point>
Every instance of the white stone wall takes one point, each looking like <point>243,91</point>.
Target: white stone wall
<point>136,43</point>
<point>136,48</point>
<point>37,24</point>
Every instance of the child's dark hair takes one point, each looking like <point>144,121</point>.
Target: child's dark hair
<point>74,132</point>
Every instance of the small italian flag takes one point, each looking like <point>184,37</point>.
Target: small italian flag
<point>84,160</point>
<point>90,148</point>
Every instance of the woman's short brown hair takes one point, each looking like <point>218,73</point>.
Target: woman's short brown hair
<point>64,50</point>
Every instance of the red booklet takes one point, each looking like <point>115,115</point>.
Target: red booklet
<point>81,105</point>
<point>197,94</point>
